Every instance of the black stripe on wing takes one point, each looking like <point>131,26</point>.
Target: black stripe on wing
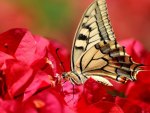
<point>113,60</point>
<point>94,27</point>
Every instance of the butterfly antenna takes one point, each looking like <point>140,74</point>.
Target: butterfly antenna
<point>62,90</point>
<point>60,60</point>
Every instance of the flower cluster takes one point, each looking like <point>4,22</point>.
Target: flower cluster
<point>30,80</point>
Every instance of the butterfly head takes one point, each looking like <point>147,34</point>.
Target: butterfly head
<point>65,75</point>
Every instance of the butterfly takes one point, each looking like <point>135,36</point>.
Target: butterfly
<point>96,53</point>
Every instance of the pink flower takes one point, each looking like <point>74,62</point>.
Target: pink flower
<point>30,80</point>
<point>47,101</point>
<point>137,99</point>
<point>28,73</point>
<point>97,98</point>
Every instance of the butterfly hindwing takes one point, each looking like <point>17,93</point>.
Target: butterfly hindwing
<point>93,28</point>
<point>107,60</point>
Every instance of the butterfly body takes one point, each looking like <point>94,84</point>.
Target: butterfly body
<point>96,53</point>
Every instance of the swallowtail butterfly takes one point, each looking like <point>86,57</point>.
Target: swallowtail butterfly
<point>96,53</point>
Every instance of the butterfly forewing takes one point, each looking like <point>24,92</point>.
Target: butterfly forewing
<point>93,28</point>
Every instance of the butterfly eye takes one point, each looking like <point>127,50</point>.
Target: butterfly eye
<point>64,75</point>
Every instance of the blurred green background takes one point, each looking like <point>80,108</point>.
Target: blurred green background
<point>58,19</point>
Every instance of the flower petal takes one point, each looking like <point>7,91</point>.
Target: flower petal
<point>18,75</point>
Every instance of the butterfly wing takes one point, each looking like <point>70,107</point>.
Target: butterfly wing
<point>93,28</point>
<point>107,60</point>
<point>96,53</point>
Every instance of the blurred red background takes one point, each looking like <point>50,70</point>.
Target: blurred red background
<point>58,19</point>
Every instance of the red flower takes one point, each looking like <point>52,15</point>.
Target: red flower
<point>137,93</point>
<point>128,106</point>
<point>30,80</point>
<point>97,98</point>
<point>47,101</point>
<point>27,68</point>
